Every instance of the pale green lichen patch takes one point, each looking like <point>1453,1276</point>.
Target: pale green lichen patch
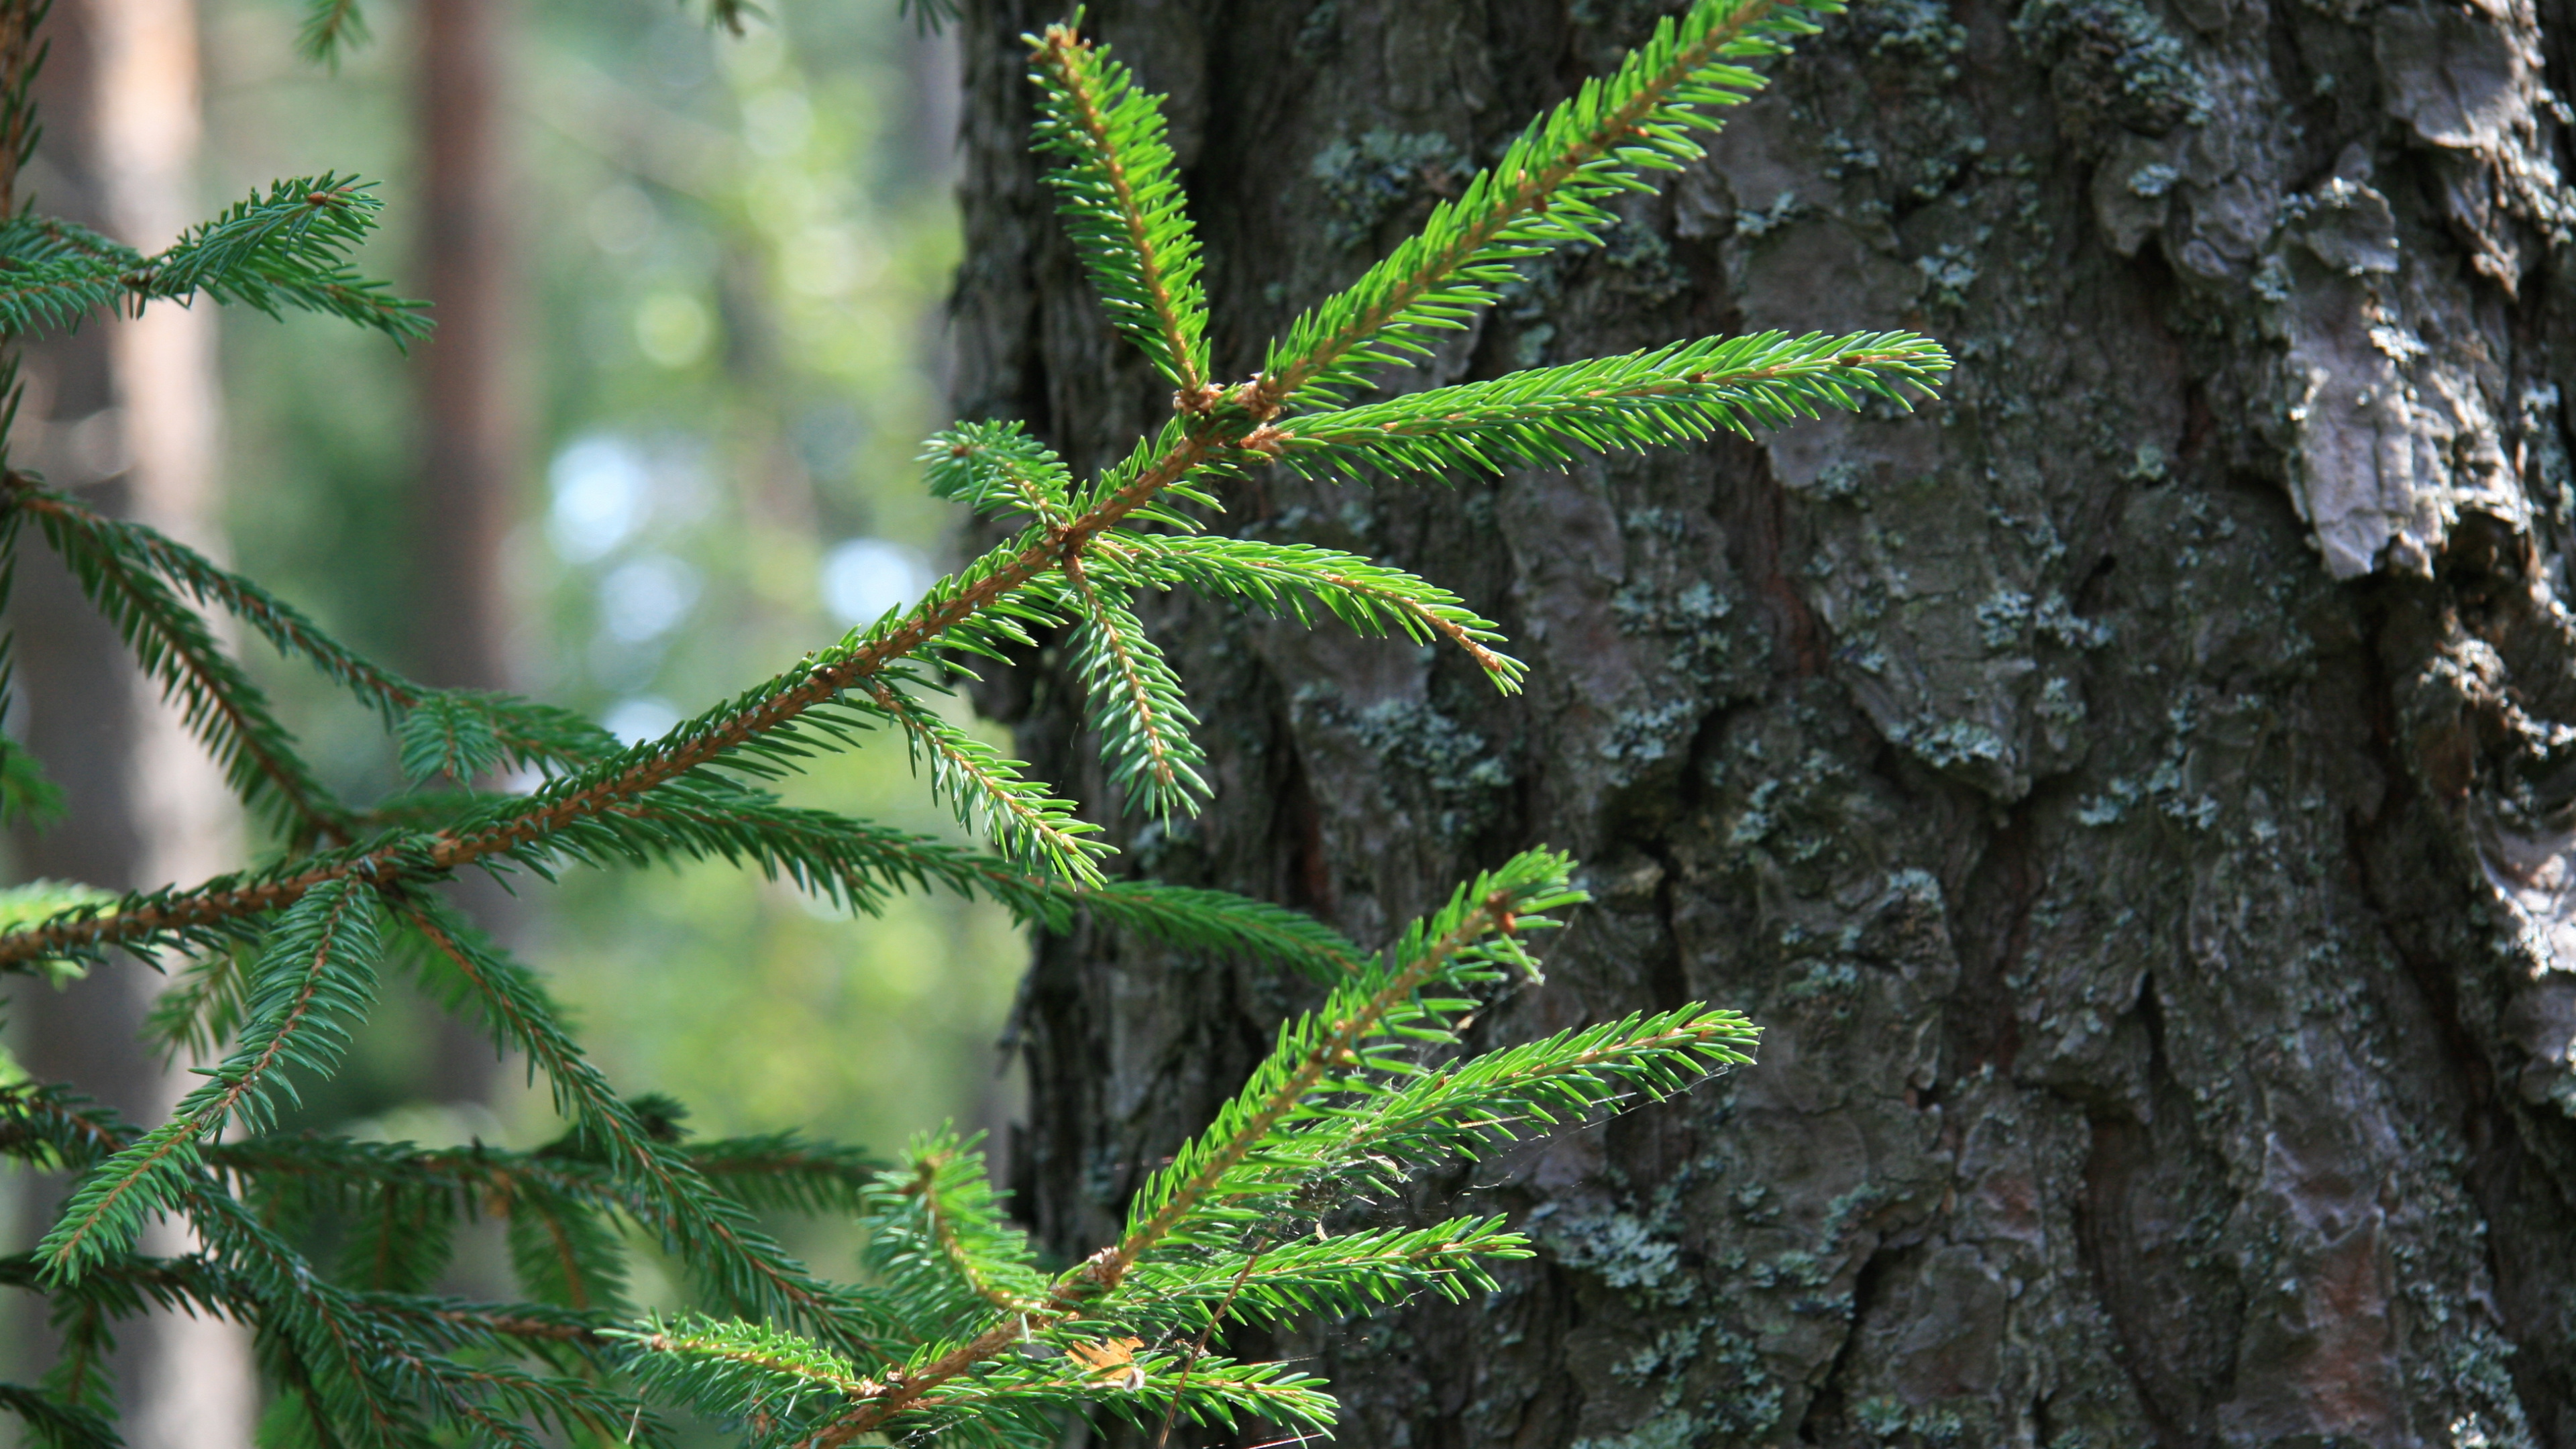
<point>1618,1248</point>
<point>2114,62</point>
<point>1374,177</point>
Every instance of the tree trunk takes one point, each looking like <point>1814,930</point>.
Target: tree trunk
<point>2132,793</point>
<point>473,433</point>
<point>125,412</point>
<point>473,426</point>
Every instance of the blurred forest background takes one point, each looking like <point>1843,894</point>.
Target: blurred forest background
<point>691,290</point>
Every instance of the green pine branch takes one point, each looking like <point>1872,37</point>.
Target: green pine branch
<point>493,730</point>
<point>775,1386</point>
<point>998,469</point>
<point>1429,1115</point>
<point>331,28</point>
<point>289,248</point>
<point>973,610</point>
<point>709,1231</point>
<point>137,576</point>
<point>1136,1384</point>
<point>960,1337</point>
<point>312,984</point>
<point>1366,1023</point>
<point>1022,816</point>
<point>563,1250</point>
<point>1137,707</point>
<point>1546,191</point>
<point>1664,397</point>
<point>1120,198</point>
<point>338,1350</point>
<point>938,1242</point>
<point>1216,922</point>
<point>37,901</point>
<point>1343,1274</point>
<point>1294,580</point>
<point>53,1128</point>
<point>54,1424</point>
<point>216,699</point>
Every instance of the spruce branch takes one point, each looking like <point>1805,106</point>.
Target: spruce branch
<point>1546,191</point>
<point>1344,1273</point>
<point>399,1241</point>
<point>963,1338</point>
<point>330,28</point>
<point>503,1404</point>
<point>202,1009</point>
<point>289,248</point>
<point>998,469</point>
<point>1188,1199</point>
<point>937,1240</point>
<point>45,900</point>
<point>528,735</point>
<point>1120,199</point>
<point>951,616</point>
<point>1029,1396</point>
<point>312,982</point>
<point>1136,704</point>
<point>54,1128</point>
<point>1285,579</point>
<point>1198,1346</point>
<point>54,1424</point>
<point>774,1384</point>
<point>1433,1114</point>
<point>1213,921</point>
<point>850,862</point>
<point>563,1251</point>
<point>696,1222</point>
<point>1456,945</point>
<point>334,1352</point>
<point>991,796</point>
<point>22,55</point>
<point>1664,397</point>
<point>216,699</point>
<point>778,1170</point>
<point>27,795</point>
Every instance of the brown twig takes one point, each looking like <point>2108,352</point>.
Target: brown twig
<point>1172,1410</point>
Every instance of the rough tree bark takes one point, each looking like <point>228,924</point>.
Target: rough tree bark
<point>2134,793</point>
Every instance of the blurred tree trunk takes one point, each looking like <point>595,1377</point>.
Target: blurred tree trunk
<point>2133,793</point>
<point>125,412</point>
<point>473,434</point>
<point>473,426</point>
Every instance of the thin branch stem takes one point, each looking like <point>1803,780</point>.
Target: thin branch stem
<point>1172,1411</point>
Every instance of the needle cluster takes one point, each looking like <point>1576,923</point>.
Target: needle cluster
<point>958,1329</point>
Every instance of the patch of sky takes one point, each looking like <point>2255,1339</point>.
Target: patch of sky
<point>645,598</point>
<point>602,492</point>
<point>865,577</point>
<point>645,717</point>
